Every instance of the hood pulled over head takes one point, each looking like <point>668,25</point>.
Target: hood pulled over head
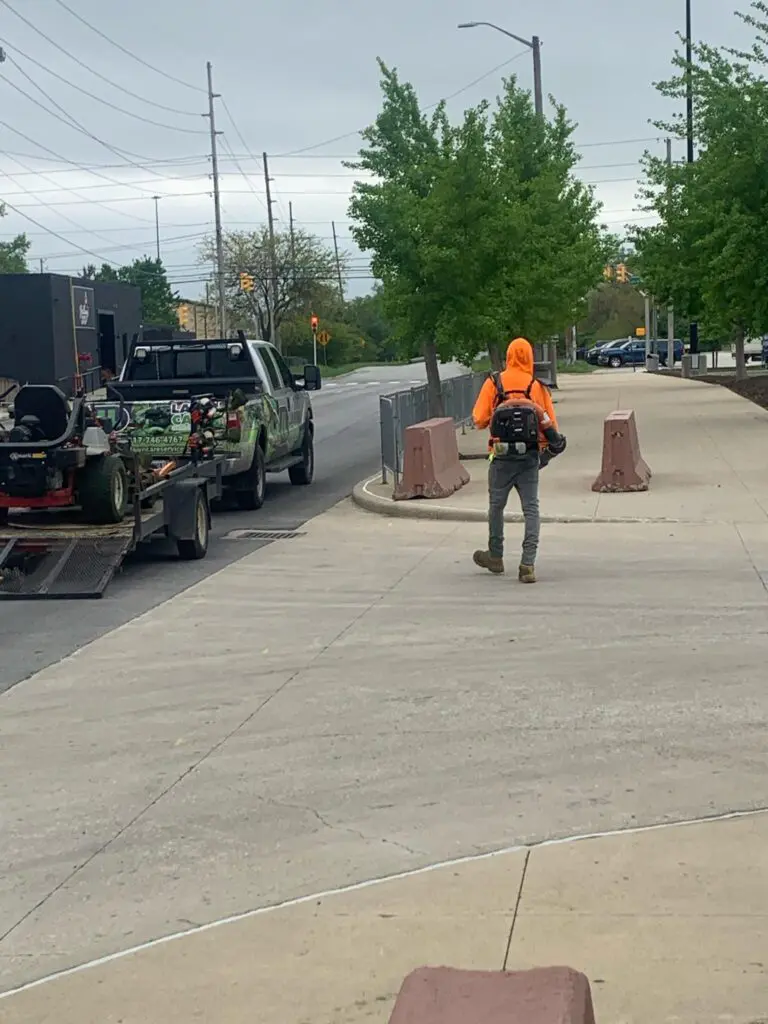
<point>520,356</point>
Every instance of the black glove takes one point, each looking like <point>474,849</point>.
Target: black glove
<point>558,446</point>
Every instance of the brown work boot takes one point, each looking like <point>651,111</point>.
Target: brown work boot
<point>488,561</point>
<point>527,574</point>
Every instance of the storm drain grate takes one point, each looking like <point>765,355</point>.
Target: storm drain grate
<point>263,535</point>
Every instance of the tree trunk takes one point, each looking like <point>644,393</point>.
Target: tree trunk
<point>741,363</point>
<point>497,360</point>
<point>434,389</point>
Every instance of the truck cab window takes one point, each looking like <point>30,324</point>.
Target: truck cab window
<point>271,367</point>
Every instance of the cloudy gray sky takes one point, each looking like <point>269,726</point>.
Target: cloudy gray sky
<point>298,78</point>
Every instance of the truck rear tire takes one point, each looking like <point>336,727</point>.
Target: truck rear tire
<point>3,516</point>
<point>103,490</point>
<point>195,548</point>
<point>302,473</point>
<point>251,497</point>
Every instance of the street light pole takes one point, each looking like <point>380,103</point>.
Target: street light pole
<point>534,45</point>
<point>157,225</point>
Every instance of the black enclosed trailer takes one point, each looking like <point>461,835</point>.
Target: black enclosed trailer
<point>54,327</point>
<point>55,555</point>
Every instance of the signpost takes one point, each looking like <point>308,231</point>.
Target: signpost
<point>314,322</point>
<point>322,339</point>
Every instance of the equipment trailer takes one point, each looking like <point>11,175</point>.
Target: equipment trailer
<point>54,554</point>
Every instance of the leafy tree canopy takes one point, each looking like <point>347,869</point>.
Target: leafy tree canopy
<point>709,251</point>
<point>159,302</point>
<point>479,231</point>
<point>13,254</point>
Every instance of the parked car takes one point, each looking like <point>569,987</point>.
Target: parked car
<point>594,353</point>
<point>661,348</point>
<point>628,353</point>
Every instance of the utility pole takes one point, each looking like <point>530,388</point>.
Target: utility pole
<point>42,265</point>
<point>338,261</point>
<point>670,307</point>
<point>694,328</point>
<point>220,271</point>
<point>157,225</point>
<point>538,93</point>
<point>272,291</point>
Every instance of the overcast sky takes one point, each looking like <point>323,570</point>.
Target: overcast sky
<point>295,75</point>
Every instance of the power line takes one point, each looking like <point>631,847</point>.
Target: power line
<point>82,64</point>
<point>94,96</point>
<point>55,234</point>
<point>431,106</point>
<point>127,52</point>
<point>70,123</point>
<point>151,162</point>
<point>81,167</point>
<point>72,223</point>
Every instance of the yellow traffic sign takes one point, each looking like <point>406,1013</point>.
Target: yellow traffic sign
<point>323,338</point>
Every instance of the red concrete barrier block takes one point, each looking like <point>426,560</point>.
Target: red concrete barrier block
<point>443,995</point>
<point>431,466</point>
<point>623,465</point>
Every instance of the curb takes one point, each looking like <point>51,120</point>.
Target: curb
<point>428,510</point>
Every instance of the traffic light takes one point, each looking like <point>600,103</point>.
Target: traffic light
<point>246,281</point>
<point>314,322</point>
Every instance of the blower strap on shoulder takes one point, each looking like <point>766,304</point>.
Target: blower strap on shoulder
<point>502,395</point>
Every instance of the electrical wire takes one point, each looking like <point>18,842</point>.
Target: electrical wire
<point>72,122</point>
<point>81,167</point>
<point>82,64</point>
<point>93,95</point>
<point>127,52</point>
<point>72,223</point>
<point>431,106</point>
<point>61,238</point>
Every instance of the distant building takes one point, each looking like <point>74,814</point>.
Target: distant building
<point>199,318</point>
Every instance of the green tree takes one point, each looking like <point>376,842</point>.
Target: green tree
<point>709,251</point>
<point>159,302</point>
<point>614,310</point>
<point>303,266</point>
<point>478,231</point>
<point>13,254</point>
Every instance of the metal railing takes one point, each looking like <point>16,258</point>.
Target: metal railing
<point>402,409</point>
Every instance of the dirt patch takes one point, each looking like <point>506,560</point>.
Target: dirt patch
<point>755,388</point>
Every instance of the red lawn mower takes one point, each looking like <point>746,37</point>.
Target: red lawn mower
<point>56,455</point>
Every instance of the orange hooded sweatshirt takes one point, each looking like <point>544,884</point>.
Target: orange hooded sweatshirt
<point>517,377</point>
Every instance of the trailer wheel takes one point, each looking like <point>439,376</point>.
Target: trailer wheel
<point>103,489</point>
<point>251,497</point>
<point>197,547</point>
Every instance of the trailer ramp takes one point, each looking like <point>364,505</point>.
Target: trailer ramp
<point>38,564</point>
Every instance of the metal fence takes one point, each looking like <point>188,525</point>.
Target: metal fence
<point>403,409</point>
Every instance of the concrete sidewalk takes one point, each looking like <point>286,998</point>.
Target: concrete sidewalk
<point>669,924</point>
<point>704,444</point>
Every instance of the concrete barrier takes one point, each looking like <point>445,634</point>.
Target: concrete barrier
<point>545,995</point>
<point>431,466</point>
<point>623,467</point>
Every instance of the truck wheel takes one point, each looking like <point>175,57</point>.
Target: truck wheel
<point>103,489</point>
<point>615,362</point>
<point>251,497</point>
<point>197,547</point>
<point>3,516</point>
<point>302,473</point>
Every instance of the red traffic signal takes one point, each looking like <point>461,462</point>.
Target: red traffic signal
<point>314,321</point>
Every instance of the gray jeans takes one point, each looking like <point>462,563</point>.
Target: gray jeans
<point>523,475</point>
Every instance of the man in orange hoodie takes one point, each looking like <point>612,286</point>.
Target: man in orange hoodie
<point>516,391</point>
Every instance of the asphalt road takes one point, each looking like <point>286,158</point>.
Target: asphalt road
<point>36,634</point>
